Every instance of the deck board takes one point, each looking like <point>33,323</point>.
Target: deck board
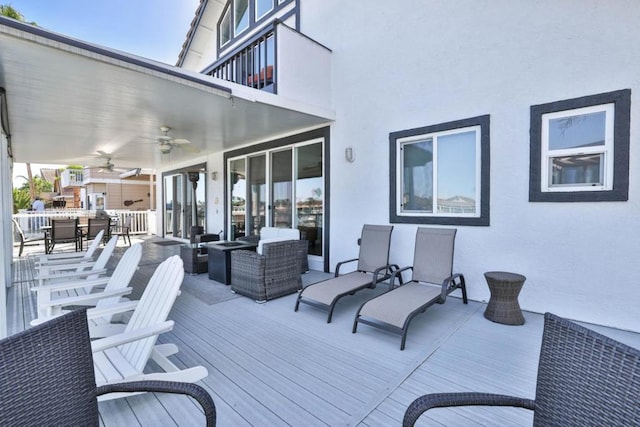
<point>269,365</point>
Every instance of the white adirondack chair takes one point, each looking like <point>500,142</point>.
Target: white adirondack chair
<point>76,270</point>
<point>123,357</point>
<point>52,298</point>
<point>68,257</point>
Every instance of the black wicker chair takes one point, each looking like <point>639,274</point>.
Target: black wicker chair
<point>47,377</point>
<point>584,379</point>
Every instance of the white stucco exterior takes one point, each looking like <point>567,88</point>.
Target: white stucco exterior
<point>397,66</point>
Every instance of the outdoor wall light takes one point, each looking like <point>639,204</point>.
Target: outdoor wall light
<point>349,154</point>
<point>214,176</point>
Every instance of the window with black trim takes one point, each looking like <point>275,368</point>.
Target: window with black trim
<point>224,27</point>
<point>580,149</point>
<point>440,173</point>
<point>239,16</point>
<point>262,7</point>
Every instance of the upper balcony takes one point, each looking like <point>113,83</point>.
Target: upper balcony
<point>282,61</point>
<point>71,178</point>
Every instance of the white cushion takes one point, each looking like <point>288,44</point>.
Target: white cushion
<point>271,240</point>
<point>269,232</point>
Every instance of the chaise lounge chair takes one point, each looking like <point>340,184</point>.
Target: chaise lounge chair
<point>373,267</point>
<point>123,357</point>
<point>431,282</point>
<point>52,298</point>
<point>47,378</point>
<point>584,379</point>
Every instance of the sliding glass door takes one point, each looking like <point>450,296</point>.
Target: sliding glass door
<point>263,187</point>
<point>310,195</point>
<point>184,201</point>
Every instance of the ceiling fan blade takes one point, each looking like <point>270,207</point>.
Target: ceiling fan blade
<point>189,148</point>
<point>180,141</point>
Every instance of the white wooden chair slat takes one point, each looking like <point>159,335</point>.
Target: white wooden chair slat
<point>68,256</point>
<point>51,303</point>
<point>97,267</point>
<point>123,357</point>
<point>154,307</point>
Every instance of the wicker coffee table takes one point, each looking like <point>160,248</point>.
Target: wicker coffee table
<point>503,305</point>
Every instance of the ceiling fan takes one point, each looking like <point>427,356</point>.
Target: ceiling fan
<point>166,143</point>
<point>107,165</point>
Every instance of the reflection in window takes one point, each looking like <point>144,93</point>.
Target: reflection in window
<point>310,194</point>
<point>578,149</point>
<point>440,173</point>
<point>241,15</point>
<point>238,183</point>
<point>281,189</point>
<point>225,27</point>
<point>263,7</point>
<point>448,177</point>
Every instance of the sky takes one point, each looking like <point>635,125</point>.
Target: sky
<point>154,29</point>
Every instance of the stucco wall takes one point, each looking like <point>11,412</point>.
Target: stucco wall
<point>428,62</point>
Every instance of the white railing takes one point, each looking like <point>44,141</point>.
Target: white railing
<point>142,222</point>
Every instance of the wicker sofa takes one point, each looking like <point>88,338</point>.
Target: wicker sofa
<point>275,234</point>
<point>273,273</point>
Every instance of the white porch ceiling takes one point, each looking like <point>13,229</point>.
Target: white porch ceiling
<point>68,99</point>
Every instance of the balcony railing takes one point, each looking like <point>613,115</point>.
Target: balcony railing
<point>280,60</point>
<point>253,65</point>
<point>142,222</point>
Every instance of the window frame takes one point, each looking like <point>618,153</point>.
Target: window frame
<point>257,18</point>
<point>254,21</point>
<point>226,14</point>
<point>481,125</point>
<point>237,32</point>
<point>615,185</point>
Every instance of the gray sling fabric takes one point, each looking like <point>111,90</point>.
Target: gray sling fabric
<point>395,307</point>
<point>433,256</point>
<point>432,280</point>
<point>374,256</point>
<point>327,291</point>
<point>374,247</point>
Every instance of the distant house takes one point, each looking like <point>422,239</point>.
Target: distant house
<point>103,189</point>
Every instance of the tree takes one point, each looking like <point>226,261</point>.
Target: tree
<point>10,12</point>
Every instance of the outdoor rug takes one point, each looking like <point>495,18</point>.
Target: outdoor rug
<point>206,290</point>
<point>211,292</point>
<point>168,242</point>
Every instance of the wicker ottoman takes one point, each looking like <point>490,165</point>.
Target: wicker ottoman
<point>503,305</point>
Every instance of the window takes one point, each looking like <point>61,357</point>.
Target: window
<point>580,149</point>
<point>440,174</point>
<point>241,15</point>
<point>263,7</point>
<point>225,27</point>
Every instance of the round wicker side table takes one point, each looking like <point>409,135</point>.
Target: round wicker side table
<point>503,305</point>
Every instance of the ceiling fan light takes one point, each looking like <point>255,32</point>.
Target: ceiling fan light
<point>165,148</point>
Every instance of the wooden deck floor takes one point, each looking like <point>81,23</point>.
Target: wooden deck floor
<point>270,366</point>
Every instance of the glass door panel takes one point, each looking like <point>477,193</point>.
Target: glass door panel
<point>257,194</point>
<point>174,201</point>
<point>281,189</point>
<point>310,194</point>
<point>238,192</point>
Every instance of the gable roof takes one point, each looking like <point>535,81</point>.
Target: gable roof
<point>192,30</point>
